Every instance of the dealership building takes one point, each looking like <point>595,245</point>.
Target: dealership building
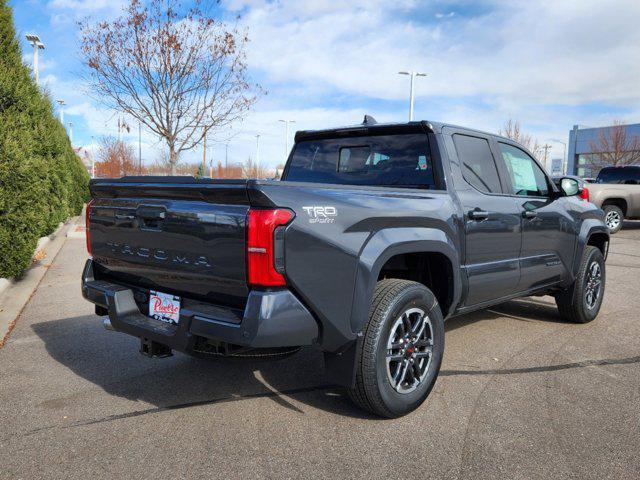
<point>580,147</point>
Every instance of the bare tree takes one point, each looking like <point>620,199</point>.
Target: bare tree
<point>173,68</point>
<point>115,159</point>
<point>250,169</point>
<point>614,147</point>
<point>512,130</point>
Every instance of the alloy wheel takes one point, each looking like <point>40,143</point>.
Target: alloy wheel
<point>409,350</point>
<point>593,285</point>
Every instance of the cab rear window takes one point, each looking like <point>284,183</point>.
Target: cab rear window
<point>381,160</point>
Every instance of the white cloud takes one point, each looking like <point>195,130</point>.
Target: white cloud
<point>83,7</point>
<point>528,52</point>
<point>485,63</point>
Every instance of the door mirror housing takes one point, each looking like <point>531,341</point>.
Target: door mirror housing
<point>570,186</point>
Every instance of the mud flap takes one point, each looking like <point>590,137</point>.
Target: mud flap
<point>340,367</point>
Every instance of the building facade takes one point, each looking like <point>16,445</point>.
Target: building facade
<point>581,159</point>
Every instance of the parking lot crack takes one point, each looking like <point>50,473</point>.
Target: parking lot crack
<point>539,369</point>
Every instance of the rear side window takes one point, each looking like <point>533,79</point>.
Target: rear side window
<point>477,163</point>
<point>376,160</point>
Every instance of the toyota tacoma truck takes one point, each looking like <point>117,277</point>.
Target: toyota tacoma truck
<point>374,236</point>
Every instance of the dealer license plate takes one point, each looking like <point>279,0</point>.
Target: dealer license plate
<point>164,306</point>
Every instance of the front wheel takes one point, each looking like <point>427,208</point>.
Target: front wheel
<point>581,302</point>
<point>401,351</point>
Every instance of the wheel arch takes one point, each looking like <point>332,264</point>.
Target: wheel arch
<point>420,243</point>
<point>620,202</point>
<point>593,232</point>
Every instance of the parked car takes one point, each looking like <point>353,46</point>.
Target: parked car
<point>374,236</point>
<point>617,192</point>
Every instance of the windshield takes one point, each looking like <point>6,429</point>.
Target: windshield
<point>383,160</point>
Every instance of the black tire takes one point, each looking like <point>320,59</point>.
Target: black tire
<point>613,218</point>
<point>373,389</point>
<point>574,304</point>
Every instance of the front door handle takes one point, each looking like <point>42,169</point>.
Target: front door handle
<point>529,214</point>
<point>478,215</point>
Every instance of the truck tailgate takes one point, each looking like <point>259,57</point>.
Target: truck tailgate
<point>185,238</point>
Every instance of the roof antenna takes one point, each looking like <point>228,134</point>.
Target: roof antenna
<point>369,120</point>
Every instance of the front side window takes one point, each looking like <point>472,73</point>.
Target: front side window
<point>477,163</point>
<point>527,178</point>
<point>376,160</point>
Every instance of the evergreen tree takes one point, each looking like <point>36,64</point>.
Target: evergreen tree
<point>42,181</point>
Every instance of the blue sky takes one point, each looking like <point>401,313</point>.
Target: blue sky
<point>548,64</point>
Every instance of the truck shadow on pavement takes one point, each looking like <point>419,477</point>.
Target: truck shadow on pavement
<point>111,361</point>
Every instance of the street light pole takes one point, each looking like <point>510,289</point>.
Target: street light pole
<point>546,148</point>
<point>93,159</point>
<point>37,45</point>
<point>257,155</point>
<point>71,133</point>
<point>413,76</point>
<point>139,148</point>
<point>286,137</point>
<point>62,104</point>
<point>204,152</point>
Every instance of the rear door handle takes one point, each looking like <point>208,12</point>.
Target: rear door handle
<point>478,215</point>
<point>529,214</point>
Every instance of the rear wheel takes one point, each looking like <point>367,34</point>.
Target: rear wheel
<point>613,217</point>
<point>581,302</point>
<point>400,355</point>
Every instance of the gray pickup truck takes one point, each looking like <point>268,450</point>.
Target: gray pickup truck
<point>617,191</point>
<point>375,234</point>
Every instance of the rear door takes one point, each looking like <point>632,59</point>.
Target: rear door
<point>548,230</point>
<point>491,222</point>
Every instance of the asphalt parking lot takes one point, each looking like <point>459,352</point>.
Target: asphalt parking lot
<point>520,395</point>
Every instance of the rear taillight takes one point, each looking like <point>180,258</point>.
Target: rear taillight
<point>87,230</point>
<point>265,246</point>
<point>584,194</point>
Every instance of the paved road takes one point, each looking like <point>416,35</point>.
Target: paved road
<point>521,395</point>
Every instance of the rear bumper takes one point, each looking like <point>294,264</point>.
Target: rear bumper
<point>271,319</point>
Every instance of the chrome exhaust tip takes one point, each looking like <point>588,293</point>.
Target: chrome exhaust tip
<point>106,323</point>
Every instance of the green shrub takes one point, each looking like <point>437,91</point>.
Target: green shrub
<point>42,181</point>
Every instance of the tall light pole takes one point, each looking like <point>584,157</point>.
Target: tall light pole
<point>71,133</point>
<point>139,148</point>
<point>93,158</point>
<point>413,76</point>
<point>226,158</point>
<point>564,152</point>
<point>286,137</point>
<point>37,44</point>
<point>204,152</point>
<point>62,104</point>
<point>257,155</point>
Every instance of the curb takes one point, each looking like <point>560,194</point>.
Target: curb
<point>38,253</point>
<point>15,294</point>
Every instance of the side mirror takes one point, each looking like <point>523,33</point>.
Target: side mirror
<point>570,186</point>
